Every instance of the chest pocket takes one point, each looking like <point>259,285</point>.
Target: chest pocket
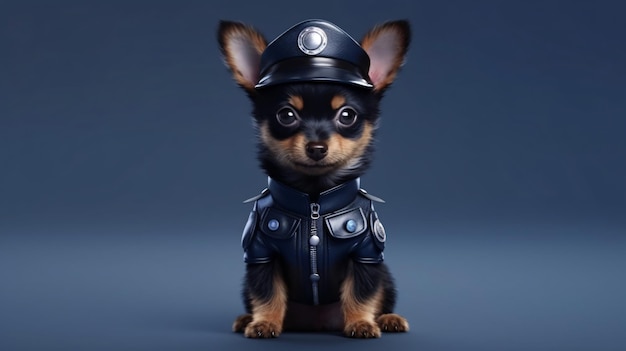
<point>278,224</point>
<point>346,224</point>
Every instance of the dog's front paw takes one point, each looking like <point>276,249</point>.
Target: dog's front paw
<point>393,323</point>
<point>262,330</point>
<point>241,322</point>
<point>362,329</point>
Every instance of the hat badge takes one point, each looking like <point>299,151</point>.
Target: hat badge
<point>312,40</point>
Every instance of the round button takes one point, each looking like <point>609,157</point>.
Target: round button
<point>312,40</point>
<point>314,240</point>
<point>351,225</point>
<point>273,224</point>
<point>315,277</point>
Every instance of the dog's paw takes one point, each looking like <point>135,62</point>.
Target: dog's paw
<point>362,329</point>
<point>392,323</point>
<point>241,322</point>
<point>262,330</point>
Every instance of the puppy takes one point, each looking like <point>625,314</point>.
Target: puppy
<point>313,242</point>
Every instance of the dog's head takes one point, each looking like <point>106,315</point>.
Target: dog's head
<point>315,112</point>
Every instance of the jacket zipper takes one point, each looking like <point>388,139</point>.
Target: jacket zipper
<point>313,242</point>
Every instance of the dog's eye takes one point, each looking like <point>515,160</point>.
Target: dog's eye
<point>346,117</point>
<point>287,117</point>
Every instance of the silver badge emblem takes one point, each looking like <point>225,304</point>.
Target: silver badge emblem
<point>312,40</point>
<point>379,231</point>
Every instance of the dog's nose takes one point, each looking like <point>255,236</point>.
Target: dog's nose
<point>316,150</point>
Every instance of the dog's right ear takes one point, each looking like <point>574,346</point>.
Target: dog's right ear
<point>241,46</point>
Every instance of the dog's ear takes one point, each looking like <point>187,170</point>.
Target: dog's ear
<point>386,45</point>
<point>241,46</point>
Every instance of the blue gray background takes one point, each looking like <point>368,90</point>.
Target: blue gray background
<point>126,149</point>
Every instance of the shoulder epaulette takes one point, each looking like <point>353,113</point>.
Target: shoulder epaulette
<point>370,196</point>
<point>254,198</point>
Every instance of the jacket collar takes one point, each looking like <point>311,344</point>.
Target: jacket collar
<point>299,202</point>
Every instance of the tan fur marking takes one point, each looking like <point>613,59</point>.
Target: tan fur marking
<point>340,150</point>
<point>360,316</point>
<point>285,151</point>
<point>296,101</point>
<point>272,311</point>
<point>241,323</point>
<point>354,310</point>
<point>337,101</point>
<point>343,150</point>
<point>293,149</point>
<point>393,323</point>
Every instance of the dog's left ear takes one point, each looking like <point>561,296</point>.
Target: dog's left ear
<point>386,45</point>
<point>241,47</point>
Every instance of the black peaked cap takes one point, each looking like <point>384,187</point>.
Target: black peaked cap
<point>314,51</point>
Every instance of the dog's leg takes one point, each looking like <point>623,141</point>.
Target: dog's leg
<point>361,302</point>
<point>267,295</point>
<point>389,321</point>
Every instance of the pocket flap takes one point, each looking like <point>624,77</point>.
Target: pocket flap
<point>346,224</point>
<point>278,224</point>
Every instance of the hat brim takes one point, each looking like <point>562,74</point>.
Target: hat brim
<point>313,70</point>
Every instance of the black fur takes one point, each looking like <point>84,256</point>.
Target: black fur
<point>258,282</point>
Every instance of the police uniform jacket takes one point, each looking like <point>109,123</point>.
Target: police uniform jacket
<point>313,240</point>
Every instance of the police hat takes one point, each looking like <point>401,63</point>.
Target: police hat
<point>314,51</point>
